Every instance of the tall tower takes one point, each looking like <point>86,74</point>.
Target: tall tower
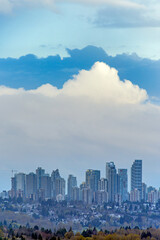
<point>57,185</point>
<point>54,176</point>
<point>46,185</point>
<point>39,172</point>
<point>123,184</point>
<point>136,176</point>
<point>72,182</point>
<point>111,176</point>
<point>92,179</point>
<point>31,185</point>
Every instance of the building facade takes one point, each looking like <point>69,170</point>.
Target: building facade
<point>136,176</point>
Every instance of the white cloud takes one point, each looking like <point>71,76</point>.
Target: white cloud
<point>94,118</point>
<point>100,84</point>
<point>47,90</point>
<point>124,17</point>
<point>10,91</point>
<point>7,6</point>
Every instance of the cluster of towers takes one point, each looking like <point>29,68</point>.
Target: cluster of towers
<point>112,188</point>
<point>39,185</point>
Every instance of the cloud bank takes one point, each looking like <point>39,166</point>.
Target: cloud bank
<point>30,72</point>
<point>126,17</point>
<point>94,118</point>
<point>110,13</point>
<point>100,84</point>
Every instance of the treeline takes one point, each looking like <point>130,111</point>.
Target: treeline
<point>27,233</point>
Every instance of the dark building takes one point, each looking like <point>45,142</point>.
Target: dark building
<point>112,178</point>
<point>72,182</point>
<point>31,185</point>
<point>123,184</point>
<point>92,179</point>
<point>136,176</point>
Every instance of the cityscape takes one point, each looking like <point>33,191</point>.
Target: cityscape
<point>113,188</point>
<point>79,119</point>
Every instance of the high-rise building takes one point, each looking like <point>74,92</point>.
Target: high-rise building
<point>55,175</point>
<point>20,181</point>
<point>31,185</point>
<point>46,185</point>
<point>123,184</point>
<point>72,182</point>
<point>39,172</point>
<point>136,176</point>
<point>60,188</point>
<point>103,185</point>
<point>112,178</point>
<point>144,192</point>
<point>13,187</point>
<point>18,185</point>
<point>92,179</point>
<point>58,185</point>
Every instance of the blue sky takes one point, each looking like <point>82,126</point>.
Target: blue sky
<point>48,29</point>
<point>65,105</point>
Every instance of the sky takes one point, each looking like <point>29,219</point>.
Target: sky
<point>79,86</point>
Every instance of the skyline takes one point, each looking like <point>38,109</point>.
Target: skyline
<point>114,177</point>
<point>113,187</point>
<point>79,85</point>
<point>83,177</point>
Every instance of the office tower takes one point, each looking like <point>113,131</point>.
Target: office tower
<point>103,185</point>
<point>60,188</point>
<point>72,182</point>
<point>20,181</point>
<point>31,185</point>
<point>123,184</point>
<point>55,175</point>
<point>136,176</point>
<point>111,176</point>
<point>144,192</point>
<point>13,187</point>
<point>46,186</point>
<point>58,185</point>
<point>39,172</point>
<point>92,179</point>
<point>18,184</point>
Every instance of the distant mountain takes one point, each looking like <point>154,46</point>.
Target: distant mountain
<point>31,72</point>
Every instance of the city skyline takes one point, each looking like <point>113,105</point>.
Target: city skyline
<point>79,177</point>
<point>117,181</point>
<point>79,86</point>
<point>113,188</point>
